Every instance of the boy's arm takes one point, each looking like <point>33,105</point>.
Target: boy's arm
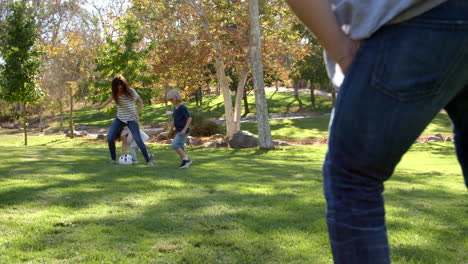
<point>105,103</point>
<point>318,16</point>
<point>189,120</point>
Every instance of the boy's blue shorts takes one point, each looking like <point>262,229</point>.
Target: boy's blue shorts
<point>179,141</point>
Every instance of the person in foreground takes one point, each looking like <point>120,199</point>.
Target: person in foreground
<point>127,115</point>
<point>182,120</point>
<point>404,61</point>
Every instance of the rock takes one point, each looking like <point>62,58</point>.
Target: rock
<point>153,131</point>
<point>82,127</point>
<point>281,143</point>
<point>210,145</point>
<point>169,141</point>
<point>243,139</point>
<point>317,143</point>
<point>66,130</point>
<point>222,144</point>
<point>83,133</point>
<point>448,139</point>
<point>163,136</point>
<point>101,137</point>
<point>159,125</point>
<point>439,136</point>
<point>434,139</point>
<point>216,137</point>
<point>191,141</point>
<point>75,134</point>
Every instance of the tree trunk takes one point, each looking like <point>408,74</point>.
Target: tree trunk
<point>200,94</point>
<point>240,93</point>
<point>296,93</point>
<point>264,132</point>
<point>41,126</point>
<point>312,95</point>
<point>25,125</point>
<point>61,114</point>
<point>72,130</point>
<point>220,70</point>
<point>246,104</point>
<point>333,92</point>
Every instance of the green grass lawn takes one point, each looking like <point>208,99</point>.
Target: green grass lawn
<point>317,127</point>
<point>62,202</point>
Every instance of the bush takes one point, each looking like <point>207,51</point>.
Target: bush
<point>203,127</point>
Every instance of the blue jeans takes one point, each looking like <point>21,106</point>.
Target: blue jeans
<point>179,141</point>
<point>116,128</point>
<point>400,79</point>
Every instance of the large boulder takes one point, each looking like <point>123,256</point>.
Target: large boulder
<point>448,139</point>
<point>101,137</point>
<point>163,136</point>
<point>217,137</point>
<point>153,131</point>
<point>243,139</point>
<point>439,136</point>
<point>434,139</point>
<point>281,143</point>
<point>82,127</point>
<point>216,144</point>
<point>191,141</point>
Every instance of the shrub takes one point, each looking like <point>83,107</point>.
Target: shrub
<point>203,127</point>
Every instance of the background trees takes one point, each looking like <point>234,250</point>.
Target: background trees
<point>201,47</point>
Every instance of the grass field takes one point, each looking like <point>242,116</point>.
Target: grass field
<point>62,202</point>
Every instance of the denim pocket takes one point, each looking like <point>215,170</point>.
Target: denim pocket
<point>414,61</point>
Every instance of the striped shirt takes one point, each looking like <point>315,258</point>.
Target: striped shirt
<point>126,110</point>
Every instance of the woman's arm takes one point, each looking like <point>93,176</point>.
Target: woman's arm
<point>105,104</point>
<point>139,107</point>
<point>318,16</point>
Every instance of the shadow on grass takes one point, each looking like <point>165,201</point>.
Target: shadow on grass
<point>230,207</point>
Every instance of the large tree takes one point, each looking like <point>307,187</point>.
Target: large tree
<point>126,55</point>
<point>264,132</point>
<point>21,57</point>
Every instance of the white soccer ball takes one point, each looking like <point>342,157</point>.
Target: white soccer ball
<point>125,160</point>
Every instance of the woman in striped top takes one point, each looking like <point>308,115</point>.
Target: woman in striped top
<point>127,115</point>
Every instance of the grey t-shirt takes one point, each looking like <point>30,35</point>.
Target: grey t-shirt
<point>362,18</point>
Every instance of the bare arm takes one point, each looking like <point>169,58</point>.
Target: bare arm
<point>189,120</point>
<point>139,107</point>
<point>105,104</point>
<point>319,18</point>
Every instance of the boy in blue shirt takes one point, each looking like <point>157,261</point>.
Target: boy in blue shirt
<point>182,120</point>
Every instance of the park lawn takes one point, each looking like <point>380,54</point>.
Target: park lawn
<point>62,202</point>
<point>317,127</point>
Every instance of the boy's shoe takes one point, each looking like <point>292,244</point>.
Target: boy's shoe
<point>150,163</point>
<point>134,162</point>
<point>114,162</point>
<point>185,164</point>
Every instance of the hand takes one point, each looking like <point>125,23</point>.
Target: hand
<point>182,133</point>
<point>346,53</point>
